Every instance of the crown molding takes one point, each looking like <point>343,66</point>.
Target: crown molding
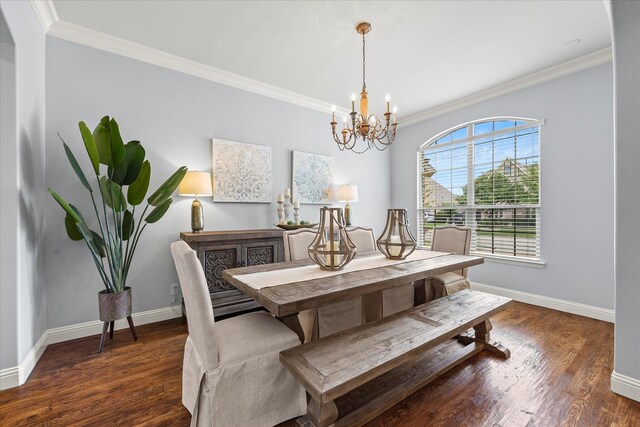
<point>46,13</point>
<point>48,17</point>
<point>587,61</point>
<point>98,40</point>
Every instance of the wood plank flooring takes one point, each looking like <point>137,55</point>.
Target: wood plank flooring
<point>558,375</point>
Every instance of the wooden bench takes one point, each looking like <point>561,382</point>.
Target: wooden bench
<point>361,372</point>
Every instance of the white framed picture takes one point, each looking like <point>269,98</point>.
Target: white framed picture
<point>241,172</point>
<point>312,178</point>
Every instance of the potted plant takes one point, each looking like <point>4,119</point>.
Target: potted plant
<point>119,192</point>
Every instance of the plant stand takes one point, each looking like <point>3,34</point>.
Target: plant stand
<point>112,307</point>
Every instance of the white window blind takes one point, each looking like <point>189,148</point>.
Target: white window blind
<point>485,175</point>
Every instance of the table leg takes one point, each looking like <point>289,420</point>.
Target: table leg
<point>420,292</point>
<point>292,322</point>
<point>372,306</point>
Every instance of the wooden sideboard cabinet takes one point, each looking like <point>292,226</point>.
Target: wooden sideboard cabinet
<point>220,250</point>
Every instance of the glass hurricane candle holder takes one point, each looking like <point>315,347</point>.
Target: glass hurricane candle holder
<point>396,241</point>
<point>331,248</point>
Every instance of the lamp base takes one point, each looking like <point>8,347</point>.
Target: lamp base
<point>197,217</point>
<point>347,214</point>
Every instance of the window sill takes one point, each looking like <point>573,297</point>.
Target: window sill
<point>521,262</point>
<point>513,261</point>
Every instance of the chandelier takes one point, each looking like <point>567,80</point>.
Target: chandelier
<point>364,132</point>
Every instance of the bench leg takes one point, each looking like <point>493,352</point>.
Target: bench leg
<point>322,414</point>
<point>482,334</point>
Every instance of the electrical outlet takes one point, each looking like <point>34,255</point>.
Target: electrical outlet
<point>174,289</point>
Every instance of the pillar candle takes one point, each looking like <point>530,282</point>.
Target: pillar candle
<point>394,250</point>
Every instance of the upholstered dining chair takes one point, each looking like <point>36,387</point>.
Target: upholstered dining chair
<point>231,372</point>
<point>450,239</point>
<point>328,319</point>
<point>394,300</point>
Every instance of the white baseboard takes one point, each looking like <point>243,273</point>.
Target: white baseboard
<point>80,330</point>
<point>594,312</point>
<point>625,386</point>
<point>9,377</point>
<point>18,375</point>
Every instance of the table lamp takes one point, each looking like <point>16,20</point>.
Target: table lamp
<point>196,184</point>
<point>347,193</point>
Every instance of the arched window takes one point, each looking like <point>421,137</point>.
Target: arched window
<point>485,175</point>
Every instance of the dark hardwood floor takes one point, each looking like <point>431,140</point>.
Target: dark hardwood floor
<point>558,374</point>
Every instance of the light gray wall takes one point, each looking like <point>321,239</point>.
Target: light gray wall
<point>576,184</point>
<point>23,180</point>
<point>626,51</point>
<point>175,116</point>
<point>8,201</point>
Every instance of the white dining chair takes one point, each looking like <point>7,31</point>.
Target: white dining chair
<point>231,374</point>
<point>450,239</point>
<point>328,319</point>
<point>396,299</point>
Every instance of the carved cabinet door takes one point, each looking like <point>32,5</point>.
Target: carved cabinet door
<point>217,258</point>
<point>265,252</point>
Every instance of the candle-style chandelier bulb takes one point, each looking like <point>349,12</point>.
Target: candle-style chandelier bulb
<point>365,131</point>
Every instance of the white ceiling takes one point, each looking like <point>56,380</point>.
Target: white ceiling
<point>423,54</point>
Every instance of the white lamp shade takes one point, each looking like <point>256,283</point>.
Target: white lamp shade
<point>196,184</point>
<point>347,193</point>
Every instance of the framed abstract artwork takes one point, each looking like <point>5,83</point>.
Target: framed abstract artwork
<point>241,172</point>
<point>312,178</point>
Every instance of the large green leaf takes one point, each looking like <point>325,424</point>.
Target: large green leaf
<point>72,228</point>
<point>102,138</point>
<point>138,188</point>
<point>158,212</point>
<point>167,188</point>
<point>127,171</point>
<point>77,213</point>
<point>63,203</point>
<point>135,164</point>
<point>99,244</point>
<point>112,194</point>
<point>88,236</point>
<point>117,146</point>
<point>76,167</point>
<point>127,225</point>
<point>90,145</point>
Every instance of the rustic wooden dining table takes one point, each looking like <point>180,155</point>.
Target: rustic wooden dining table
<point>287,288</point>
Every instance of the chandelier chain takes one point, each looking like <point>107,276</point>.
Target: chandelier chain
<point>364,81</point>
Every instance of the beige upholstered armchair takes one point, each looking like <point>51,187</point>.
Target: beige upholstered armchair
<point>331,318</point>
<point>231,372</point>
<point>394,300</point>
<point>450,239</point>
